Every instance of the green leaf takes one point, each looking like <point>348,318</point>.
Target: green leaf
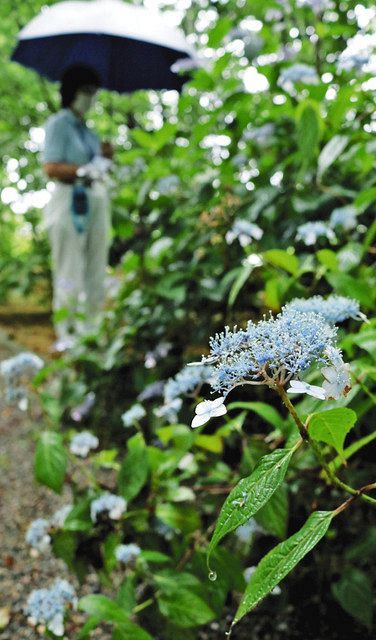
<point>50,460</point>
<point>239,283</point>
<point>251,493</point>
<point>102,608</point>
<point>265,411</point>
<point>282,559</point>
<point>308,130</point>
<point>280,258</point>
<point>351,450</point>
<point>130,631</point>
<point>182,517</point>
<point>354,593</point>
<point>213,443</point>
<point>332,426</point>
<point>346,285</point>
<point>330,153</point>
<point>134,470</point>
<point>182,599</point>
<point>78,519</point>
<point>125,596</point>
<point>273,517</point>
<point>328,259</point>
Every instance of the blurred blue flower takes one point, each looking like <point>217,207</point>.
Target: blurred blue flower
<point>48,606</point>
<point>127,553</point>
<point>81,443</point>
<point>334,308</point>
<point>37,534</point>
<point>310,232</point>
<point>133,415</point>
<point>108,503</point>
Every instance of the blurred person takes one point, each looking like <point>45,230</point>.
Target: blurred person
<point>77,217</point>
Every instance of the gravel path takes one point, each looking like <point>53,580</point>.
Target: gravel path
<point>21,500</point>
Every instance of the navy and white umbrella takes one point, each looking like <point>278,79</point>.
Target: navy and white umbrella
<point>129,47</point>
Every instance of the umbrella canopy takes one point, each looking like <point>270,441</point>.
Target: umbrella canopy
<point>129,47</point>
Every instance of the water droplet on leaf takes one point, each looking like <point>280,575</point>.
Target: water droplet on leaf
<point>212,576</point>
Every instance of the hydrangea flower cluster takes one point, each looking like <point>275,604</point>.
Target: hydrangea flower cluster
<point>271,351</point>
<point>133,415</point>
<point>244,231</point>
<point>83,409</point>
<point>127,553</point>
<point>309,232</point>
<point>344,217</point>
<point>297,73</point>
<point>160,352</point>
<point>275,350</point>
<point>333,309</point>
<point>82,443</point>
<point>108,503</point>
<point>248,530</point>
<point>37,534</point>
<point>317,6</point>
<point>48,606</point>
<point>187,382</point>
<point>152,390</point>
<point>359,53</point>
<point>17,372</point>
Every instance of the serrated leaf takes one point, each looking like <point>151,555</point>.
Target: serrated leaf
<point>50,460</point>
<point>251,493</point>
<point>330,153</point>
<point>332,426</point>
<point>282,559</point>
<point>354,593</point>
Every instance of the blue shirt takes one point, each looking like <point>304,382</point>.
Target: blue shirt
<point>68,139</point>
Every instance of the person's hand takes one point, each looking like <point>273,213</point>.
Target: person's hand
<point>107,149</point>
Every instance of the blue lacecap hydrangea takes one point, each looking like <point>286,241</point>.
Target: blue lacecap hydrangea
<point>333,309</point>
<point>110,504</point>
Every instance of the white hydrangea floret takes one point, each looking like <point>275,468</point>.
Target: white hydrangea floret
<point>127,553</point>
<point>133,415</point>
<point>110,503</point>
<point>298,386</point>
<point>208,409</point>
<point>82,443</point>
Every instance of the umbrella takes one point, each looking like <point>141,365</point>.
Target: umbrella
<point>129,47</point>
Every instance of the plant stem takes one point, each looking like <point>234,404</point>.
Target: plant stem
<point>318,453</point>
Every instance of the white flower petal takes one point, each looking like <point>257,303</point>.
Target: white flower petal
<point>219,411</point>
<point>199,420</point>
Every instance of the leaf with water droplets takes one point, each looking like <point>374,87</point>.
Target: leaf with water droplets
<point>251,493</point>
<point>282,559</point>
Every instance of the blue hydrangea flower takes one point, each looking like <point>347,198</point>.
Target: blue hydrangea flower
<point>168,185</point>
<point>187,382</point>
<point>133,415</point>
<point>152,390</point>
<point>127,553</point>
<point>59,517</point>
<point>334,308</point>
<point>37,534</point>
<point>108,503</point>
<point>244,231</point>
<point>298,72</point>
<point>48,606</point>
<point>359,53</point>
<point>17,372</point>
<point>247,531</point>
<point>310,232</point>
<point>344,217</point>
<point>317,6</point>
<point>82,443</point>
<point>270,351</point>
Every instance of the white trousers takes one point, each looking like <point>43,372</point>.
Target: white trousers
<point>79,260</point>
